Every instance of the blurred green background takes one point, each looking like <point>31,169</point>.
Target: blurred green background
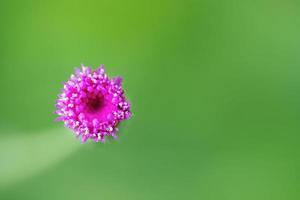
<point>215,93</point>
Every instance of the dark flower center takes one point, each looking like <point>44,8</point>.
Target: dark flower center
<point>94,104</point>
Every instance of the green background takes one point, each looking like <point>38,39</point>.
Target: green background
<point>215,94</point>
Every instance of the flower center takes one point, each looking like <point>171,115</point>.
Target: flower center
<point>94,104</point>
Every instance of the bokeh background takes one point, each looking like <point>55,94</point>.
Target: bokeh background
<point>214,86</point>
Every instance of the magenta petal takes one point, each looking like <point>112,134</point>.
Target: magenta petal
<point>117,80</point>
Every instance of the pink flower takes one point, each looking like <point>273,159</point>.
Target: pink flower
<point>92,105</point>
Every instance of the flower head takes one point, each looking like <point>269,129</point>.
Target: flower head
<point>92,105</point>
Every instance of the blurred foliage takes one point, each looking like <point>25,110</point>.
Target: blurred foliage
<point>214,87</point>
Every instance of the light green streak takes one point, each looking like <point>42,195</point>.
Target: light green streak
<point>24,155</point>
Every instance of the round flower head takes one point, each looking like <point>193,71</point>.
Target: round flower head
<point>92,105</point>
